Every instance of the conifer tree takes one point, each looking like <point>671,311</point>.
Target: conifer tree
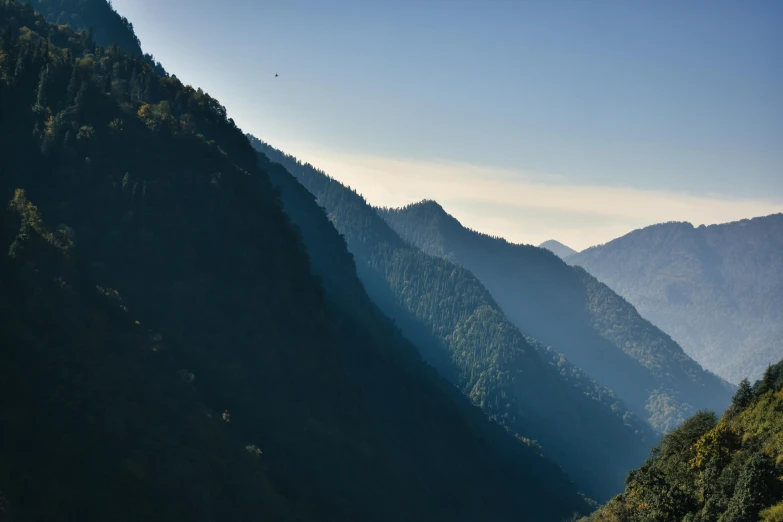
<point>767,383</point>
<point>744,394</point>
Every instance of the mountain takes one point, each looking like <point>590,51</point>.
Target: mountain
<point>570,310</point>
<point>526,386</point>
<point>362,323</point>
<point>557,248</point>
<point>725,470</point>
<point>717,290</point>
<point>167,351</point>
<point>101,21</point>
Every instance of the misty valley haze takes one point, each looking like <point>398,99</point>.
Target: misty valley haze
<point>717,290</point>
<point>198,325</point>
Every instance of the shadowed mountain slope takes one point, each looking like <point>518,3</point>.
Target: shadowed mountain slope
<point>168,353</point>
<point>452,319</point>
<point>570,310</point>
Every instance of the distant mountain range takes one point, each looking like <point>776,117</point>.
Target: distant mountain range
<point>197,326</point>
<point>717,290</point>
<point>459,328</point>
<point>559,249</point>
<point>570,310</point>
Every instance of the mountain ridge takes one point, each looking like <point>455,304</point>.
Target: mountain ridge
<point>559,249</point>
<point>714,288</point>
<point>604,335</point>
<point>101,21</point>
<point>460,329</point>
<point>170,353</point>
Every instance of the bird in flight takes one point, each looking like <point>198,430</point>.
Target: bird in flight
<point>275,75</point>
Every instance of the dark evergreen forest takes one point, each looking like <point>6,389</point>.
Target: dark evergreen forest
<point>197,326</point>
<point>518,381</point>
<point>100,21</point>
<point>168,353</point>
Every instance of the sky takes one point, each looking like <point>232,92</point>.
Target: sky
<point>572,120</point>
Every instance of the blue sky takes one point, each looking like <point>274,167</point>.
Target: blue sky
<point>578,120</point>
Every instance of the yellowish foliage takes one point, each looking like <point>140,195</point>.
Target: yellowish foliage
<point>85,63</point>
<point>112,294</point>
<point>145,112</point>
<point>4,67</point>
<point>25,209</point>
<point>612,512</point>
<point>116,125</point>
<point>30,214</point>
<point>773,514</point>
<point>25,34</point>
<point>85,132</point>
<point>765,422</point>
<point>49,126</point>
<point>254,450</point>
<point>156,116</point>
<point>718,442</point>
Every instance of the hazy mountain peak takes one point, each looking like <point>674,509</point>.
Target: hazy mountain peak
<point>426,208</point>
<point>432,221</point>
<point>429,204</point>
<point>559,249</point>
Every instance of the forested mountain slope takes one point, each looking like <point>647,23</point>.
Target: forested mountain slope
<point>717,290</point>
<point>453,320</point>
<point>167,353</point>
<point>711,470</point>
<point>570,310</point>
<point>98,18</point>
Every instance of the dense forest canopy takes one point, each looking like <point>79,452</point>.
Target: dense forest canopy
<point>574,313</point>
<point>168,349</point>
<point>713,470</point>
<point>718,290</point>
<point>101,21</point>
<point>521,383</point>
<point>197,326</point>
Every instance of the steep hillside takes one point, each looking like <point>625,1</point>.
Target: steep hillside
<point>711,470</point>
<point>102,22</point>
<point>101,418</point>
<point>458,327</point>
<point>557,248</point>
<point>361,324</point>
<point>717,290</point>
<point>167,352</point>
<point>571,311</point>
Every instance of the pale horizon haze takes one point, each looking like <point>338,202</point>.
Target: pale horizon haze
<point>530,120</point>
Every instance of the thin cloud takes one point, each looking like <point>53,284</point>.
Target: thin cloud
<point>521,206</point>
